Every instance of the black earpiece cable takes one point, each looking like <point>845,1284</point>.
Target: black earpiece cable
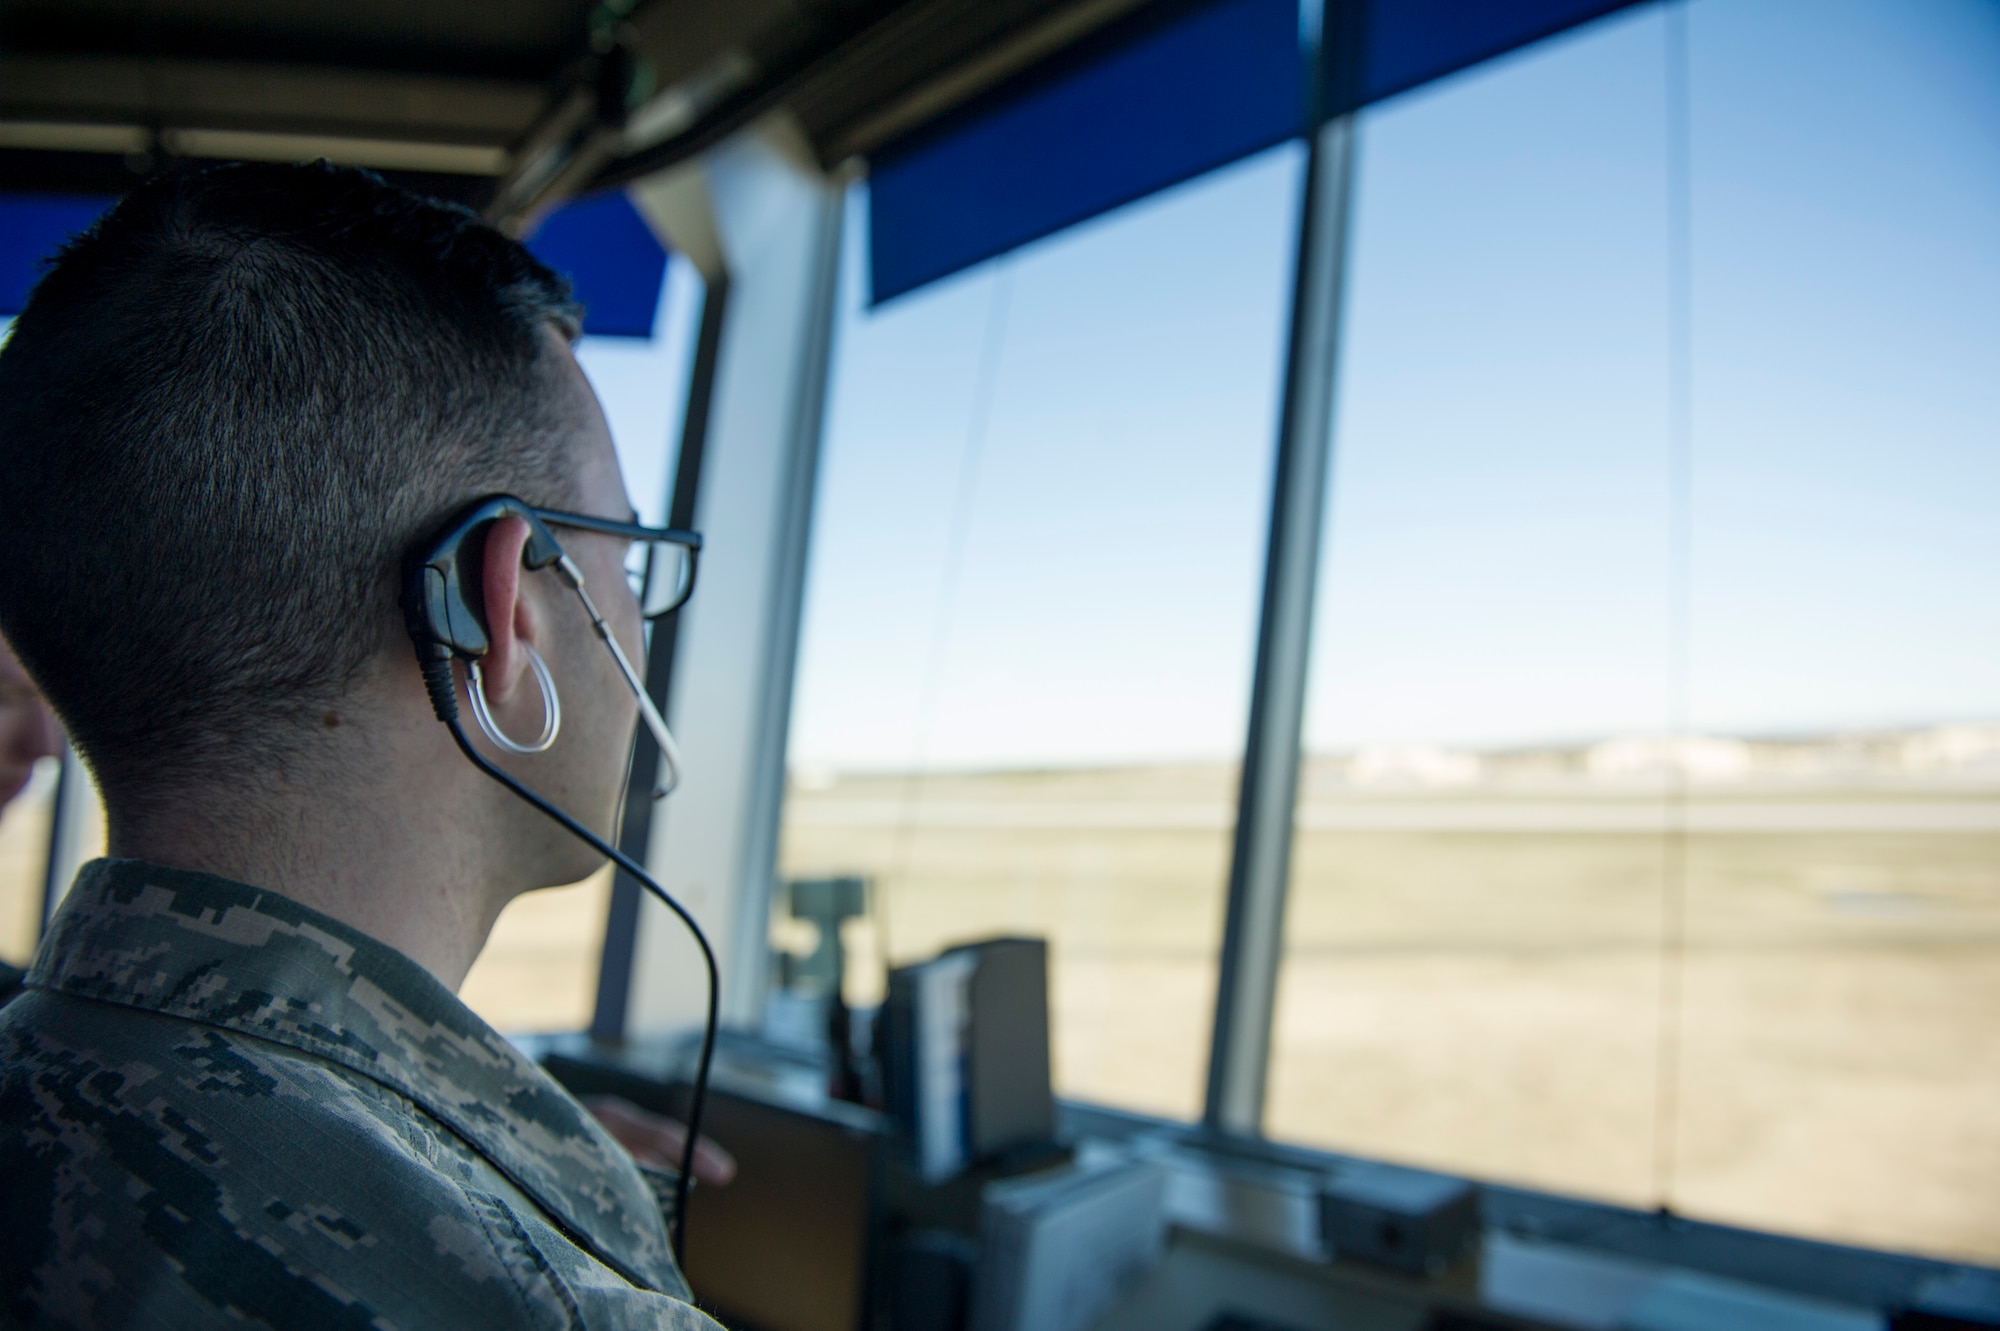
<point>443,690</point>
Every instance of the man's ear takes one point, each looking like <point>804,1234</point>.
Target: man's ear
<point>510,616</point>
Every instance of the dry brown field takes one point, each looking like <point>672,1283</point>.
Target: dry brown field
<point>24,839</point>
<point>1484,980</point>
<point>539,969</point>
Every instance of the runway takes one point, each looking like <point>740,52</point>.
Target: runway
<point>1616,815</point>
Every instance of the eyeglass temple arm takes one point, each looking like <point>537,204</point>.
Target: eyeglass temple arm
<point>669,751</point>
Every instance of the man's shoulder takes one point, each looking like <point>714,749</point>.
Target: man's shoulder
<point>232,1170</point>
<point>72,1055</point>
<point>216,1174</point>
<point>67,1061</point>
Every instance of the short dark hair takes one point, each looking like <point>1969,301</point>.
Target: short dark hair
<point>226,411</point>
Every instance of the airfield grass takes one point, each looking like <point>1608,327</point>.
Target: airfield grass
<point>1823,1058</point>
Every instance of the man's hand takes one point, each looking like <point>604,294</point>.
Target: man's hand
<point>657,1142</point>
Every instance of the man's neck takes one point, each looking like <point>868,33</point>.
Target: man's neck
<point>401,870</point>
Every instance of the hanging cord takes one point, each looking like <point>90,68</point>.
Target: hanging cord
<point>1680,573</point>
<point>443,691</point>
<point>954,566</point>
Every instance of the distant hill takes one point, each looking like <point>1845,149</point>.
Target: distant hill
<point>1924,754</point>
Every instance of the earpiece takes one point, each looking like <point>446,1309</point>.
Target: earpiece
<point>444,608</point>
<point>445,612</point>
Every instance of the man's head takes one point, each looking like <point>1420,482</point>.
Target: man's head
<point>27,731</point>
<point>226,413</point>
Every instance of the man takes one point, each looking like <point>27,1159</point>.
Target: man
<point>239,1087</point>
<point>27,733</point>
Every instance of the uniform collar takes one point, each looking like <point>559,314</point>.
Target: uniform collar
<point>214,951</point>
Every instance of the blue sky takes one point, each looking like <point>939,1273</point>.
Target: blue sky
<point>1106,492</point>
<point>643,388</point>
<point>1043,496</point>
<point>1500,524</point>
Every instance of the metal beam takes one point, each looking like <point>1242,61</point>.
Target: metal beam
<point>635,836</point>
<point>1260,867</point>
<point>267,98</point>
<point>778,222</point>
<point>935,58</point>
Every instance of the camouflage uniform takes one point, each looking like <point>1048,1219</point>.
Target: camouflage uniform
<point>220,1107</point>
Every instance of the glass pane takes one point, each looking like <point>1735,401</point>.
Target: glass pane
<point>1649,845</point>
<point>659,573</point>
<point>1471,966</point>
<point>1840,1068</point>
<point>1031,609</point>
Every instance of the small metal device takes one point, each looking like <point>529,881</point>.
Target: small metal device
<point>1406,1219</point>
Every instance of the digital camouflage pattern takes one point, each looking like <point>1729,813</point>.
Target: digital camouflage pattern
<point>218,1107</point>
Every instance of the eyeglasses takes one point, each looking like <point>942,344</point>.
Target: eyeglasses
<point>660,564</point>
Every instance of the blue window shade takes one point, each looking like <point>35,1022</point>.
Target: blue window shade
<point>1178,99</point>
<point>32,228</point>
<point>1411,42</point>
<point>611,257</point>
<point>1217,85</point>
